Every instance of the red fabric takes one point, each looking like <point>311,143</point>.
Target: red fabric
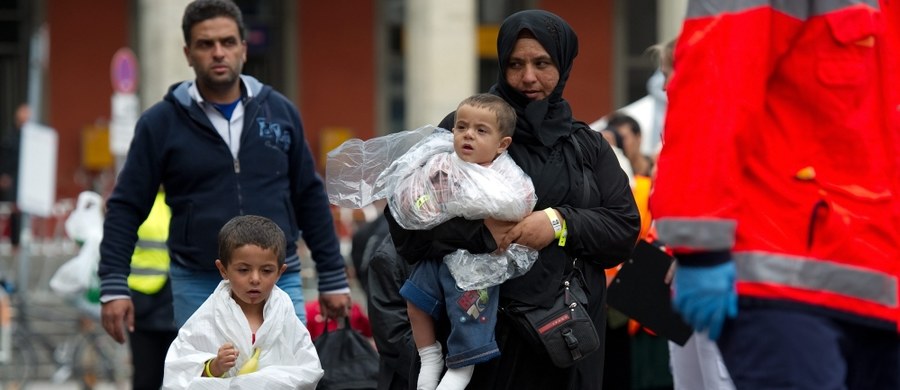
<point>316,322</point>
<point>758,95</point>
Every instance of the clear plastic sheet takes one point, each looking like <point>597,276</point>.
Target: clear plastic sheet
<point>432,186</point>
<point>427,184</point>
<point>477,271</point>
<point>351,169</point>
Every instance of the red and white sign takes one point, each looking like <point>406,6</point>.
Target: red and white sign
<point>123,70</point>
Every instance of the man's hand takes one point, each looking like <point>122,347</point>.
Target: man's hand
<point>115,315</point>
<point>705,296</point>
<point>334,305</point>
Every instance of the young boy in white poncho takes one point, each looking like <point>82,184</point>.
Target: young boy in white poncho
<point>245,335</point>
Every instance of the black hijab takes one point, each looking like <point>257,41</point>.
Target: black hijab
<point>542,121</point>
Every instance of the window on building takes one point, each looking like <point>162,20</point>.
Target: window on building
<point>635,31</point>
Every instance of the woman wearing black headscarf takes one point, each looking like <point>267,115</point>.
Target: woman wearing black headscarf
<point>536,51</point>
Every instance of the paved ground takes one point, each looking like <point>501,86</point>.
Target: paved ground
<point>43,385</point>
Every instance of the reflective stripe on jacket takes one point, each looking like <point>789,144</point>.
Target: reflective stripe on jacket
<point>150,262</point>
<point>781,145</point>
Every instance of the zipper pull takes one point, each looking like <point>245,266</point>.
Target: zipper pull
<point>237,166</point>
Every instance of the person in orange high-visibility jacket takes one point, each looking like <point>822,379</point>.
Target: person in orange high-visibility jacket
<point>778,184</point>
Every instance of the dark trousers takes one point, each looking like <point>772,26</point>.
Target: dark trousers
<point>617,364</point>
<point>15,227</point>
<point>772,348</point>
<point>148,356</point>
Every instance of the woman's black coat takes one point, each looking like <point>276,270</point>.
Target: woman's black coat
<point>602,230</point>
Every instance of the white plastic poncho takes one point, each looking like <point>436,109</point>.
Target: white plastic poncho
<point>430,184</point>
<point>287,360</point>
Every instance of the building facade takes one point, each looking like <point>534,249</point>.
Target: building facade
<point>355,68</point>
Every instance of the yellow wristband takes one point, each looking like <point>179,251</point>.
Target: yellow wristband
<point>209,373</point>
<point>563,234</point>
<point>554,221</point>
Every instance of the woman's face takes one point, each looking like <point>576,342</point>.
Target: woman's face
<point>530,70</point>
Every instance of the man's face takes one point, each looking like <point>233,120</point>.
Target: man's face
<point>530,70</point>
<point>631,143</point>
<point>476,136</point>
<point>217,53</point>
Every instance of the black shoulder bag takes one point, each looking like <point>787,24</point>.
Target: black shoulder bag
<point>564,330</point>
<point>348,359</point>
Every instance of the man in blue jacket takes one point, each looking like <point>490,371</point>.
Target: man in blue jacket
<point>222,145</point>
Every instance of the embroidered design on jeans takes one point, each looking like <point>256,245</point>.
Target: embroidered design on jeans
<point>474,303</point>
<point>273,135</point>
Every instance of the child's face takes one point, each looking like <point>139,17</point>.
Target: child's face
<point>476,136</point>
<point>253,272</point>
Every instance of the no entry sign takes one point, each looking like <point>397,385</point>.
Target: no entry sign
<point>124,71</point>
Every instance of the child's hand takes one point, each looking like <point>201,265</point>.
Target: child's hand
<point>498,230</point>
<point>224,360</point>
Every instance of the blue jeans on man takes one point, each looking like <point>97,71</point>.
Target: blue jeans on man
<point>190,288</point>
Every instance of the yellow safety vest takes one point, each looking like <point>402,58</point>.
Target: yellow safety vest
<point>150,262</point>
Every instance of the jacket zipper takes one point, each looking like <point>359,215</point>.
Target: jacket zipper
<point>236,164</point>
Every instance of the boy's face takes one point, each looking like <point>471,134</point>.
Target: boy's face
<point>476,136</point>
<point>253,272</point>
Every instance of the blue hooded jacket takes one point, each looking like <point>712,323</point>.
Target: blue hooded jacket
<point>274,176</point>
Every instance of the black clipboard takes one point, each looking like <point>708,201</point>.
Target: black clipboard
<point>639,291</point>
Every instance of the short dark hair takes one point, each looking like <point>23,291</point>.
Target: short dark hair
<point>506,115</point>
<point>202,10</point>
<point>617,138</point>
<point>663,53</point>
<point>618,119</point>
<point>251,230</point>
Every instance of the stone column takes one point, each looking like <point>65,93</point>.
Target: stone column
<point>160,48</point>
<point>671,16</point>
<point>440,58</point>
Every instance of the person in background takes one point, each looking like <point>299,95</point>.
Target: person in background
<point>316,322</point>
<point>536,52</point>
<point>777,189</point>
<point>630,131</point>
<point>363,242</point>
<point>398,363</point>
<point>246,334</point>
<point>223,145</point>
<point>615,141</point>
<point>637,358</point>
<point>9,170</point>
<point>154,324</point>
<point>698,364</point>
